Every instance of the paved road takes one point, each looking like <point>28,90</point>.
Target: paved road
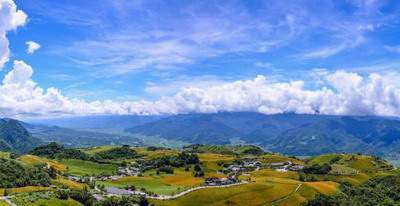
<point>171,197</point>
<point>8,200</point>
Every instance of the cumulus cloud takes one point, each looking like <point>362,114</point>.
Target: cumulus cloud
<point>31,47</point>
<point>343,93</point>
<point>10,19</point>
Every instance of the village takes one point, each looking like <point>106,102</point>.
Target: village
<point>232,172</point>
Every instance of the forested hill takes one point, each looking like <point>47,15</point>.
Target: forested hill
<point>14,137</point>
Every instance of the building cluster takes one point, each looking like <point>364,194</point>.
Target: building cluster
<point>285,166</point>
<point>245,166</point>
<point>215,181</point>
<point>129,171</point>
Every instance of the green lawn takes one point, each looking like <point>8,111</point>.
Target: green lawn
<point>82,168</point>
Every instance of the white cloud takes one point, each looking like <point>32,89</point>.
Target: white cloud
<point>265,65</point>
<point>10,19</point>
<point>32,47</point>
<point>324,52</point>
<point>395,49</point>
<point>343,93</point>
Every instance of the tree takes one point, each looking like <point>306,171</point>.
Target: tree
<point>197,168</point>
<point>62,194</point>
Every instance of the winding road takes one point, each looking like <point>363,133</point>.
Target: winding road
<point>171,197</point>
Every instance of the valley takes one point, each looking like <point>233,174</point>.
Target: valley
<point>194,175</point>
<point>286,159</point>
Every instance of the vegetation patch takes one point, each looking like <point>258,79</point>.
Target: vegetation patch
<point>116,153</point>
<point>56,151</point>
<point>13,174</point>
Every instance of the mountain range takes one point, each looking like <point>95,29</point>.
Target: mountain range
<point>294,134</point>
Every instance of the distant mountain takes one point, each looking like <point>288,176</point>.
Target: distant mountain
<point>101,122</point>
<point>15,138</point>
<point>194,128</point>
<point>296,134</point>
<point>342,134</point>
<point>78,138</point>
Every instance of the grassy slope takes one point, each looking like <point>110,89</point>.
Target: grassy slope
<point>69,183</point>
<point>159,184</point>
<point>31,160</point>
<point>272,158</point>
<point>355,169</point>
<point>93,150</point>
<point>82,168</point>
<point>267,187</point>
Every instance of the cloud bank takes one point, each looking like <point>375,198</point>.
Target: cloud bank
<point>342,93</point>
<point>10,19</point>
<point>338,93</point>
<point>31,47</point>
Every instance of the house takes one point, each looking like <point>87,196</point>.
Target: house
<point>252,164</point>
<point>75,178</point>
<point>117,191</point>
<point>234,168</point>
<point>279,164</point>
<point>129,171</point>
<point>296,167</point>
<point>215,181</point>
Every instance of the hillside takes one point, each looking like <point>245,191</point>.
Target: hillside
<point>14,137</point>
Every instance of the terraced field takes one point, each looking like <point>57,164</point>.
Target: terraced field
<point>267,187</point>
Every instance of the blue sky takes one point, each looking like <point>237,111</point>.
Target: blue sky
<point>124,49</point>
<point>145,50</point>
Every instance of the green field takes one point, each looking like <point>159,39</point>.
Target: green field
<point>87,168</point>
<point>163,184</point>
<point>54,202</point>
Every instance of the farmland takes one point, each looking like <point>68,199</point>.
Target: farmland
<point>167,172</point>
